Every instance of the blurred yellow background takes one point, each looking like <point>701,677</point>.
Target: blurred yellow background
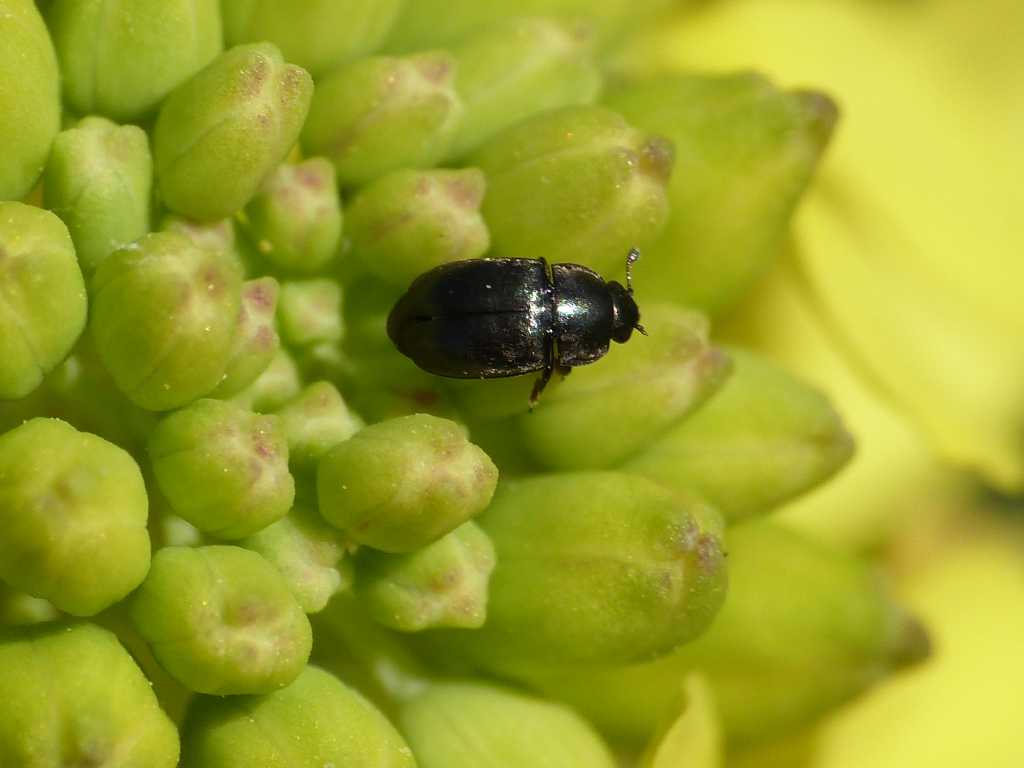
<point>902,295</point>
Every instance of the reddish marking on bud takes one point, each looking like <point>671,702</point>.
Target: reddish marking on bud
<point>213,281</point>
<point>249,612</point>
<point>466,190</point>
<point>435,69</point>
<point>261,445</point>
<point>264,338</point>
<point>257,295</point>
<point>309,177</point>
<point>657,157</point>
<point>709,553</point>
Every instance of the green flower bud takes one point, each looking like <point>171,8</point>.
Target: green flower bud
<point>211,236</point>
<point>442,585</point>
<point>221,620</point>
<point>464,725</point>
<point>314,422</point>
<point>220,133</point>
<point>310,312</point>
<point>121,58</point>
<point>22,609</point>
<point>316,721</point>
<point>745,152</point>
<point>603,413</point>
<point>803,629</point>
<point>309,554</point>
<point>255,341</point>
<point>81,392</point>
<point>411,221</point>
<point>764,439</point>
<point>29,99</point>
<point>296,216</point>
<point>811,624</point>
<point>317,36</point>
<point>380,114</point>
<point>164,313</point>
<point>589,184</point>
<point>518,68</point>
<point>403,483</point>
<point>42,296</point>
<point>594,567</point>
<point>222,468</point>
<point>73,510</point>
<point>74,697</point>
<point>98,180</point>
<point>279,383</point>
<point>426,23</point>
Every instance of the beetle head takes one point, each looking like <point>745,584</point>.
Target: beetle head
<point>625,313</point>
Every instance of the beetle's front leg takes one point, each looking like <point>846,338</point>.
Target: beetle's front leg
<point>538,386</point>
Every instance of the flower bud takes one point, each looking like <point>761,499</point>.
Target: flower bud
<point>764,439</point>
<point>604,413</point>
<point>465,725</point>
<point>222,468</point>
<point>589,185</point>
<point>745,153</point>
<point>594,567</point>
<point>18,609</point>
<point>81,392</point>
<point>314,422</point>
<point>804,614</point>
<point>811,623</point>
<point>221,620</point>
<point>411,221</point>
<point>255,340</point>
<point>309,554</point>
<point>29,99</point>
<point>73,696</point>
<point>98,180</point>
<point>296,216</point>
<point>73,509</point>
<point>401,484</point>
<point>310,312</point>
<point>212,236</point>
<point>279,383</point>
<point>520,67</point>
<point>379,114</point>
<point>316,36</point>
<point>444,584</point>
<point>164,313</point>
<point>316,721</point>
<point>121,58</point>
<point>44,307</point>
<point>219,134</point>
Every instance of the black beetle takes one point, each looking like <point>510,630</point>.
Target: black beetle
<point>490,318</point>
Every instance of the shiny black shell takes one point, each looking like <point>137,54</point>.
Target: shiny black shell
<point>490,318</point>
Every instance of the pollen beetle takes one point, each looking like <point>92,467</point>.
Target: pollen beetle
<point>490,318</point>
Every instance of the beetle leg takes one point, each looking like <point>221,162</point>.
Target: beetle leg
<point>563,370</point>
<point>538,386</point>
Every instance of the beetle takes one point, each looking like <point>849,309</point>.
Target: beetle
<point>492,318</point>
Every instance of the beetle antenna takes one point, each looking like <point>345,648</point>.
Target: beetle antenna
<point>631,258</point>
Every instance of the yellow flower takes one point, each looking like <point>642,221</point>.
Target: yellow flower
<point>909,251</point>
